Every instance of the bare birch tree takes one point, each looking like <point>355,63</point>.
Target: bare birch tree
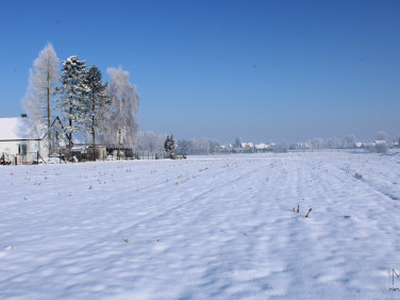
<point>123,110</point>
<point>43,79</point>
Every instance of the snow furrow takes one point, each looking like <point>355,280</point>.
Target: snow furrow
<point>208,227</point>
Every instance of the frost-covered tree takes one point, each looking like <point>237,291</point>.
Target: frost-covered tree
<point>197,147</point>
<point>38,100</point>
<point>381,146</point>
<point>333,143</point>
<point>381,135</point>
<point>317,143</point>
<point>149,141</point>
<point>169,146</point>
<point>97,103</point>
<point>283,146</point>
<point>183,147</point>
<point>349,141</point>
<point>213,146</point>
<point>72,94</point>
<point>123,110</point>
<point>203,146</point>
<point>237,143</point>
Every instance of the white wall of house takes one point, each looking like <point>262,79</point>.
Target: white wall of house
<point>25,151</point>
<point>10,147</point>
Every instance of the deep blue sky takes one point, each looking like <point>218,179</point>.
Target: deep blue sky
<point>260,70</point>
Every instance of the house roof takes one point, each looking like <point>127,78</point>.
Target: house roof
<point>262,146</point>
<point>359,144</point>
<point>247,145</point>
<point>21,129</point>
<point>13,129</point>
<point>379,142</point>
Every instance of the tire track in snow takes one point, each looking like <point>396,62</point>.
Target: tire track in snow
<point>312,185</point>
<point>340,209</point>
<point>391,195</point>
<point>185,203</point>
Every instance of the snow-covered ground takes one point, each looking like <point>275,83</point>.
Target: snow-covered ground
<point>207,227</point>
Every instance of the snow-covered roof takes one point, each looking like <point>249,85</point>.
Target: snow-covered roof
<point>262,146</point>
<point>369,144</point>
<point>247,145</point>
<point>359,144</point>
<point>379,142</point>
<point>13,129</point>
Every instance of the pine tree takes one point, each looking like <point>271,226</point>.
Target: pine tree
<point>73,92</point>
<point>169,146</point>
<point>42,81</point>
<point>97,103</point>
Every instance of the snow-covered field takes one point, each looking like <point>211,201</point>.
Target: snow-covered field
<point>207,227</point>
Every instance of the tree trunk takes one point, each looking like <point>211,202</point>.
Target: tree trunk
<point>119,143</point>
<point>94,143</point>
<point>70,135</point>
<point>120,130</point>
<point>48,111</point>
<point>94,131</point>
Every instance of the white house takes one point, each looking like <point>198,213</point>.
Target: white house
<point>20,142</point>
<point>262,147</point>
<point>247,146</point>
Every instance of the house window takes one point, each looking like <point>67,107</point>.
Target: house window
<point>22,149</point>
<point>57,135</point>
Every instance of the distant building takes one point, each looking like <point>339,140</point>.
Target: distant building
<point>262,147</point>
<point>247,147</point>
<point>304,146</point>
<point>359,145</point>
